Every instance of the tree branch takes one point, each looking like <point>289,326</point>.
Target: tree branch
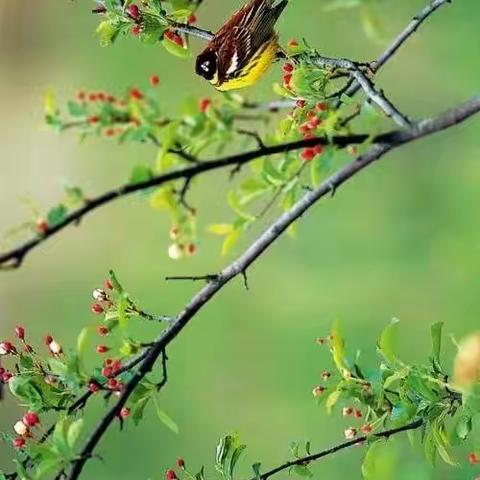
<point>392,49</point>
<point>14,258</point>
<point>325,453</point>
<point>258,248</point>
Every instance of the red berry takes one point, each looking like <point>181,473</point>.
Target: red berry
<point>97,309</point>
<point>473,458</point>
<point>191,249</point>
<point>108,284</point>
<point>347,411</point>
<point>93,119</point>
<point>192,19</point>
<point>92,97</point>
<point>112,384</point>
<point>134,11</point>
<point>124,412</point>
<point>308,154</point>
<point>7,347</point>
<point>204,104</point>
<point>19,442</point>
<point>20,332</point>
<point>136,94</point>
<point>102,330</point>
<point>48,339</point>
<point>93,387</point>
<point>318,149</point>
<point>116,366</point>
<point>41,226</point>
<point>180,463</point>
<point>304,128</point>
<point>288,68</point>
<point>2,371</point>
<point>300,103</point>
<point>366,429</point>
<point>314,123</point>
<point>286,80</point>
<point>6,377</point>
<point>30,419</point>
<point>357,414</point>
<point>136,30</point>
<point>110,132</point>
<point>170,475</point>
<point>178,40</point>
<point>107,372</point>
<point>102,349</point>
<point>321,106</point>
<point>154,80</point>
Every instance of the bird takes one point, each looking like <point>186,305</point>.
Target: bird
<point>244,48</point>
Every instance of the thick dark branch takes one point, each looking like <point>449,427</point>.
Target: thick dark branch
<point>259,246</point>
<point>14,258</point>
<point>342,446</point>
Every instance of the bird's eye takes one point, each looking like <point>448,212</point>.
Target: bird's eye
<point>206,65</point>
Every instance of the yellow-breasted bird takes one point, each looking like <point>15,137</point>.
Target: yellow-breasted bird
<point>244,48</point>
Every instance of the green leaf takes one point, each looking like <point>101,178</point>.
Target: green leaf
<point>57,215</point>
<point>235,204</point>
<point>220,228</point>
<point>176,50</point>
<point>436,333</point>
<point>230,241</point>
<point>106,32</point>
<point>45,467</point>
<point>25,389</point>
<point>387,341</point>
<point>369,461</point>
<point>82,341</point>
<point>338,349</point>
<point>74,432</point>
<point>165,418</point>
<point>234,459</point>
<point>57,367</point>
<point>256,470</point>
<point>379,461</point>
<point>222,451</point>
<point>399,375</point>
<point>302,471</point>
<point>464,426</point>
<point>332,400</point>
<point>59,439</point>
<point>140,174</point>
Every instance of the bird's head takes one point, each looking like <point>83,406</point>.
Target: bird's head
<point>206,65</point>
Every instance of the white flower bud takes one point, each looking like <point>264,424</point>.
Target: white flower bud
<point>350,433</point>
<point>20,428</point>
<point>55,347</point>
<point>99,295</point>
<point>3,349</point>
<point>175,252</point>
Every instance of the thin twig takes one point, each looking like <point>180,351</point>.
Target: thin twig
<point>411,28</point>
<point>342,446</point>
<point>256,250</point>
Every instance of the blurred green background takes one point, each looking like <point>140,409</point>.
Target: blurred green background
<point>400,240</point>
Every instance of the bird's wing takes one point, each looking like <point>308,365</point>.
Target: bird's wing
<point>248,29</point>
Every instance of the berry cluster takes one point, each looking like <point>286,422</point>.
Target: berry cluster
<point>170,474</point>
